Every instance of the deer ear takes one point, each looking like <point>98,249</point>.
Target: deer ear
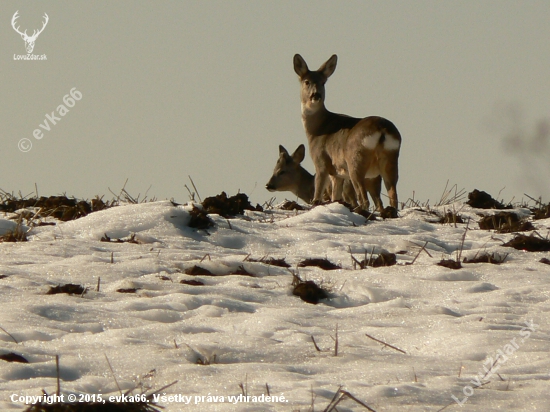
<point>283,151</point>
<point>300,65</point>
<point>299,154</point>
<point>329,66</point>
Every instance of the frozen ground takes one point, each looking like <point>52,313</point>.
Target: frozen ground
<point>254,332</point>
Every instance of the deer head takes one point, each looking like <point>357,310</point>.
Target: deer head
<point>29,40</point>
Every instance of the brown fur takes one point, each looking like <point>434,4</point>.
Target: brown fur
<point>289,175</point>
<point>344,147</point>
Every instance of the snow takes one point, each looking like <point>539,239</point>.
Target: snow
<point>252,331</point>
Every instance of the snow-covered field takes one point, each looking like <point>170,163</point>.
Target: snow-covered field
<point>253,335</point>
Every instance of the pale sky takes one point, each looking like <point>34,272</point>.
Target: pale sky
<point>207,89</point>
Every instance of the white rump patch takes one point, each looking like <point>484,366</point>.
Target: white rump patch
<point>391,143</point>
<point>371,141</point>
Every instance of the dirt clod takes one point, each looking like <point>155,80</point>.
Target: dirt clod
<point>199,219</point>
<point>505,222</point>
<point>530,243</point>
<point>192,282</point>
<point>450,263</point>
<point>493,258</point>
<point>483,200</point>
<point>291,205</point>
<point>198,271</point>
<point>541,212</point>
<point>270,261</point>
<point>127,290</point>
<point>69,288</point>
<point>59,207</point>
<point>324,264</point>
<point>131,239</point>
<point>228,206</point>
<point>383,259</point>
<point>13,357</point>
<point>308,291</point>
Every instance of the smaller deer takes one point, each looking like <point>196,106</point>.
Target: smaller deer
<point>289,175</point>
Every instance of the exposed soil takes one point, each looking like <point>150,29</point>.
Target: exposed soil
<point>69,288</point>
<point>131,239</point>
<point>383,259</point>
<point>450,263</point>
<point>199,219</point>
<point>493,258</point>
<point>324,264</point>
<point>198,271</point>
<point>13,357</point>
<point>291,205</point>
<point>59,207</point>
<point>308,291</point>
<point>192,282</point>
<point>541,212</point>
<point>270,261</point>
<point>505,222</point>
<point>228,207</point>
<point>483,200</point>
<point>127,290</point>
<point>530,243</point>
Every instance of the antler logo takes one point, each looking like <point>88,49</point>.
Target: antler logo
<point>29,40</point>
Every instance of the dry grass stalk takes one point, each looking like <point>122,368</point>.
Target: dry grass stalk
<point>315,344</point>
<point>342,395</point>
<point>385,344</point>
<point>9,334</point>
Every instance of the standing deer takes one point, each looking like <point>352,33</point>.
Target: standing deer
<point>289,175</point>
<point>344,147</point>
<point>29,40</point>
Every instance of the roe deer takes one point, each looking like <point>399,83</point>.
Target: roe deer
<point>344,147</point>
<point>289,175</point>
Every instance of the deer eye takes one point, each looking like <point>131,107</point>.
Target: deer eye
<point>281,172</point>
<point>306,82</point>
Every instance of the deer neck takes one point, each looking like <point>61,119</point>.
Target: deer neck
<point>305,189</point>
<point>315,121</point>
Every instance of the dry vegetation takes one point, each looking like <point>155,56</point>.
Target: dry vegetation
<point>308,290</point>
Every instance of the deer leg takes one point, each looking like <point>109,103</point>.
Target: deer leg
<point>390,174</point>
<point>337,185</point>
<point>348,193</point>
<point>358,181</point>
<point>392,194</point>
<point>374,187</point>
<point>321,179</point>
